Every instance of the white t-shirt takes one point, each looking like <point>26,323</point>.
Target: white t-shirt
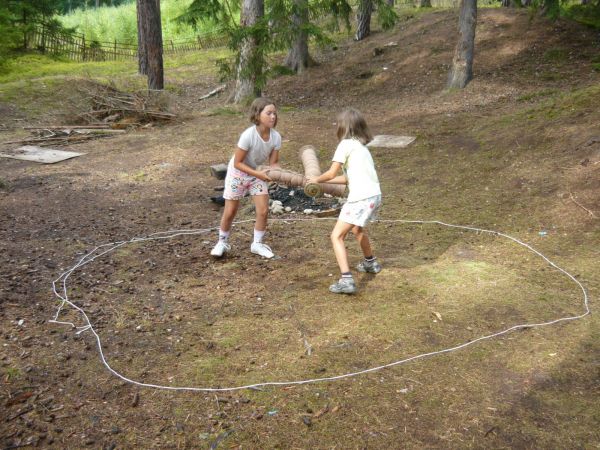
<point>258,151</point>
<point>359,169</point>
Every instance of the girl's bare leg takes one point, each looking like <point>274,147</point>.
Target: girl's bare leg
<point>339,233</point>
<point>363,240</point>
<point>231,208</point>
<point>261,204</point>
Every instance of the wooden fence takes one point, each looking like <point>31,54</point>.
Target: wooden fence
<point>75,47</point>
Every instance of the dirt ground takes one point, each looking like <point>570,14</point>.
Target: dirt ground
<point>517,151</point>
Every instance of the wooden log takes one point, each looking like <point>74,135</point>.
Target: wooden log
<point>294,179</point>
<point>310,161</point>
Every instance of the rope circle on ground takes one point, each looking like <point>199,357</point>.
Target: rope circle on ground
<point>104,249</point>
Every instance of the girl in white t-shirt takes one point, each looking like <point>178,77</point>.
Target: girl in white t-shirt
<point>364,197</point>
<point>258,145</point>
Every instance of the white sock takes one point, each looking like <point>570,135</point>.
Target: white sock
<point>258,236</point>
<point>223,235</point>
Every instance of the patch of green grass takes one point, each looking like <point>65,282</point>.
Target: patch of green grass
<point>222,111</point>
<point>279,70</point>
<point>11,373</point>
<point>556,54</point>
<point>537,94</point>
<point>436,50</point>
<point>34,66</point>
<point>140,176</point>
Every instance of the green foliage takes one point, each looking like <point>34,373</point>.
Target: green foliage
<point>107,24</point>
<point>548,8</point>
<point>586,14</point>
<point>17,18</point>
<point>386,15</point>
<point>275,31</point>
<point>10,37</point>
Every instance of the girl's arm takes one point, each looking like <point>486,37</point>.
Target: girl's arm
<point>274,158</point>
<point>330,175</point>
<point>238,162</point>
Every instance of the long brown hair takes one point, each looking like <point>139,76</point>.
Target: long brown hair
<point>257,107</point>
<point>351,124</point>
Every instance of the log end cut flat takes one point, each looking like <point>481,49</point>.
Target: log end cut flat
<point>313,190</point>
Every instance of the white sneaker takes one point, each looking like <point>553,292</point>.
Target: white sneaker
<point>220,248</point>
<point>258,248</point>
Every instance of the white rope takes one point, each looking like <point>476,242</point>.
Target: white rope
<point>107,248</point>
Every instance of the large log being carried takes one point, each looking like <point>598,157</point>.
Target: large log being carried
<point>309,159</point>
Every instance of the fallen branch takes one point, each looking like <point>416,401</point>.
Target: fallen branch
<point>215,91</point>
<point>19,413</point>
<point>68,127</point>
<point>591,213</point>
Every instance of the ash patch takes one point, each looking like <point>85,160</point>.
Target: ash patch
<point>298,201</point>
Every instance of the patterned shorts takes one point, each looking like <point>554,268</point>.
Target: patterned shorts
<point>360,212</point>
<point>238,184</point>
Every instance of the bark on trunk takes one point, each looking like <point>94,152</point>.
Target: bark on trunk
<point>142,55</point>
<point>250,64</point>
<point>363,29</point>
<point>425,4</point>
<point>153,42</point>
<point>461,71</point>
<point>298,57</point>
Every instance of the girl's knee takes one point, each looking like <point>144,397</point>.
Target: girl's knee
<point>262,213</point>
<point>337,236</point>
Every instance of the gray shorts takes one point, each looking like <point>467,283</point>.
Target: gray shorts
<point>360,212</point>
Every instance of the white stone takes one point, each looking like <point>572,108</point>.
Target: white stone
<point>308,211</point>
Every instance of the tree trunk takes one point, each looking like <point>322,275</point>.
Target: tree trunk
<point>391,3</point>
<point>250,64</point>
<point>363,18</point>
<point>298,58</point>
<point>461,71</point>
<point>425,4</point>
<point>152,33</point>
<point>142,55</point>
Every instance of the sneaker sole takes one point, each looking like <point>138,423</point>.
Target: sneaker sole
<point>344,291</point>
<point>263,256</point>
<point>367,271</point>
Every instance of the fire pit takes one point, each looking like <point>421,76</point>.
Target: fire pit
<point>284,199</point>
